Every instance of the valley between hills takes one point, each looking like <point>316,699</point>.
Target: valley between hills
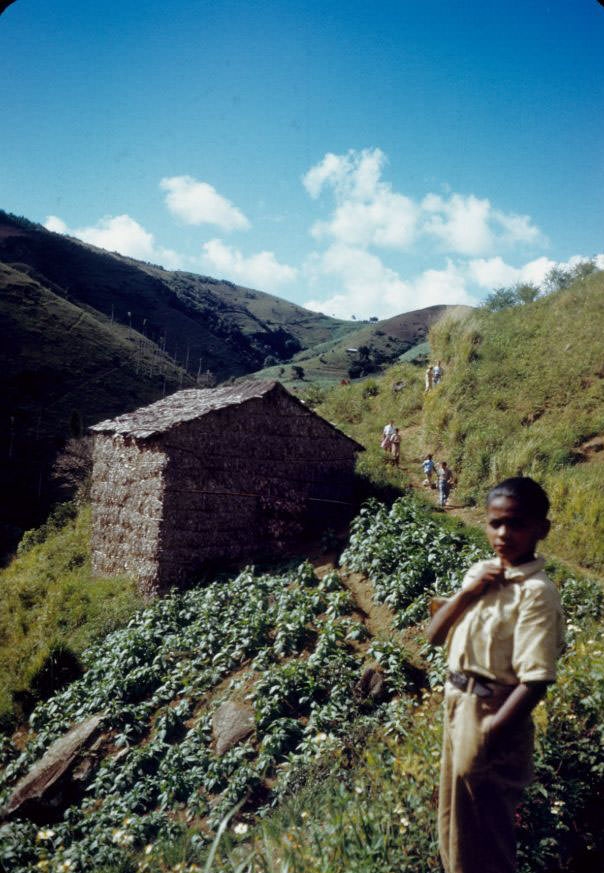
<point>320,659</point>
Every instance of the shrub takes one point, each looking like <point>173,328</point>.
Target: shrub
<point>370,389</point>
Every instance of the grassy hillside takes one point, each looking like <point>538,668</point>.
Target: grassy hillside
<point>61,366</point>
<point>524,393</point>
<point>50,603</point>
<point>345,782</point>
<point>200,321</point>
<point>369,349</point>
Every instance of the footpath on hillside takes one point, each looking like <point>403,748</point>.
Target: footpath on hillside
<point>410,464</point>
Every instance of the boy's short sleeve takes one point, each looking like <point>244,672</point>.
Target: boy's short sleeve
<point>538,634</point>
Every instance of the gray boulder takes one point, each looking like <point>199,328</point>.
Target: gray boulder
<point>232,723</point>
<point>54,781</point>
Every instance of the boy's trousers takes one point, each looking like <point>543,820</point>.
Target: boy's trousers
<point>480,786</point>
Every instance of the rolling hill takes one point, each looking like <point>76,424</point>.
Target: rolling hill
<point>89,334</point>
<point>370,349</point>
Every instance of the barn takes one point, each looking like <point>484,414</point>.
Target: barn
<point>213,475</point>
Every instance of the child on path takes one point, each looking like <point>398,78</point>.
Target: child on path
<point>387,434</point>
<point>445,481</point>
<point>503,632</point>
<point>438,373</point>
<point>429,377</point>
<point>428,468</point>
<point>395,447</point>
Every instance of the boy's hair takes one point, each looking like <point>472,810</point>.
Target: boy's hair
<point>526,491</point>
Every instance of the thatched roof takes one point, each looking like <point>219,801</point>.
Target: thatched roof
<point>193,403</point>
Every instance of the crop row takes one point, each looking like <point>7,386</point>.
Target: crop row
<point>288,636</point>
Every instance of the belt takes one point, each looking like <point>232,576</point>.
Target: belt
<point>479,687</point>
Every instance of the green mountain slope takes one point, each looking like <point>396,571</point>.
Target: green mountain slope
<point>351,775</point>
<point>369,349</point>
<point>62,366</point>
<point>199,321</point>
<point>94,334</point>
<point>524,393</point>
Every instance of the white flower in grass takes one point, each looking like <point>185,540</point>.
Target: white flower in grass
<point>404,822</point>
<point>148,848</point>
<point>121,837</point>
<point>358,789</point>
<point>65,866</point>
<point>45,834</point>
<point>240,829</point>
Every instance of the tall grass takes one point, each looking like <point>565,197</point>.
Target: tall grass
<point>51,603</point>
<point>363,408</point>
<point>523,390</point>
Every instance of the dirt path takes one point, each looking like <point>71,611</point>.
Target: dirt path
<point>413,453</point>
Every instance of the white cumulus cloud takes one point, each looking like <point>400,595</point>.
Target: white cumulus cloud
<point>461,224</point>
<point>368,212</point>
<point>200,203</point>
<point>491,273</point>
<point>261,270</point>
<point>370,287</point>
<point>120,233</point>
<point>56,224</point>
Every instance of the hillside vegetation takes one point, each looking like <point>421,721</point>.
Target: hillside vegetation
<point>370,349</point>
<point>344,782</point>
<point>62,366</point>
<point>51,609</point>
<point>524,393</point>
<point>88,335</point>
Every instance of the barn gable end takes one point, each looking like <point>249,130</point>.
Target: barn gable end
<point>228,482</point>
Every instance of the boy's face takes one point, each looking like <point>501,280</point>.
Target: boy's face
<point>512,533</point>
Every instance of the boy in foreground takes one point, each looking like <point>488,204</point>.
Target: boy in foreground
<point>503,632</point>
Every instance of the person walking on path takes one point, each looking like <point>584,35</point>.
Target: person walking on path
<point>387,434</point>
<point>445,482</point>
<point>429,377</point>
<point>428,468</point>
<point>503,633</point>
<point>437,373</point>
<point>395,447</point>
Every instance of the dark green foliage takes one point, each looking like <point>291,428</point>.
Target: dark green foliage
<point>408,557</point>
<point>52,670</point>
<point>500,298</point>
<point>60,516</point>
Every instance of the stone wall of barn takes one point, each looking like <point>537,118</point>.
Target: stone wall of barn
<point>245,480</point>
<point>127,508</point>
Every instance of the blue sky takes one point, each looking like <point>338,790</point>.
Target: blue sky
<point>360,158</point>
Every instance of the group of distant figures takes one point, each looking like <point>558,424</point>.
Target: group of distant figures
<point>391,444</point>
<point>434,375</point>
<point>444,478</point>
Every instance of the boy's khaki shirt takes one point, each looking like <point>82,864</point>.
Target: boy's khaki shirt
<point>513,633</point>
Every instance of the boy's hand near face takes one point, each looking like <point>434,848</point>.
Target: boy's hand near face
<point>445,617</point>
<point>490,577</point>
